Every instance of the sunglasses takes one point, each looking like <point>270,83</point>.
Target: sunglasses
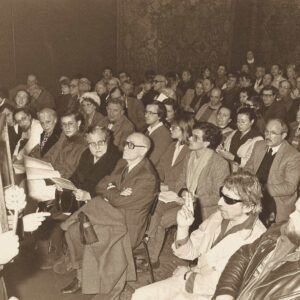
<point>228,200</point>
<point>131,146</point>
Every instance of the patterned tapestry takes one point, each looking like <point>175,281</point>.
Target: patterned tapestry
<point>169,35</point>
<point>279,28</point>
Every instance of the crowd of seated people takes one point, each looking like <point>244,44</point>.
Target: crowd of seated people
<point>219,149</point>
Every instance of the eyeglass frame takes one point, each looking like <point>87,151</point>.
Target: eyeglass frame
<point>98,144</point>
<point>228,200</point>
<point>150,112</point>
<point>131,145</point>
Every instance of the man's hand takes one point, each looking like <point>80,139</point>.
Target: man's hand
<point>33,221</point>
<point>15,198</point>
<point>81,195</point>
<point>185,217</point>
<point>224,297</point>
<point>9,246</point>
<point>126,192</point>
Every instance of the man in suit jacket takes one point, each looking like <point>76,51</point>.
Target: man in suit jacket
<point>131,188</point>
<point>50,135</point>
<point>277,165</point>
<point>160,136</point>
<point>117,122</point>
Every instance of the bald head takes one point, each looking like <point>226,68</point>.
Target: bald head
<point>142,139</point>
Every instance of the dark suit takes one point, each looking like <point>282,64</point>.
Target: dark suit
<point>161,139</point>
<point>88,173</point>
<point>283,177</point>
<point>136,113</point>
<point>142,179</point>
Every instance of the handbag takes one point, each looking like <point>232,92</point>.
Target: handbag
<point>87,232</point>
<point>65,201</point>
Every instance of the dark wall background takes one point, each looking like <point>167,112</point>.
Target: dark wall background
<point>56,37</point>
<point>62,37</point>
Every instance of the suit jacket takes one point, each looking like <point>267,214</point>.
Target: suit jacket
<point>120,131</point>
<point>283,177</point>
<point>136,113</point>
<point>213,117</point>
<point>161,139</point>
<point>209,183</point>
<point>143,181</point>
<point>88,174</point>
<point>96,121</point>
<point>169,174</point>
<point>54,137</point>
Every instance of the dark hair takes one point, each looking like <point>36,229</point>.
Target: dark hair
<point>172,102</point>
<point>120,101</point>
<point>161,110</point>
<point>22,90</point>
<point>269,88</point>
<point>247,90</point>
<point>7,106</point>
<point>228,108</point>
<point>211,133</point>
<point>25,110</point>
<point>248,112</point>
<point>185,122</point>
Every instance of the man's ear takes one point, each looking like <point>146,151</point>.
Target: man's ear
<point>79,123</point>
<point>284,135</point>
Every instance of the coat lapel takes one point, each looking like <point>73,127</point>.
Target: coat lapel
<point>181,155</point>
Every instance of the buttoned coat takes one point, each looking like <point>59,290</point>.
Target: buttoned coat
<point>143,181</point>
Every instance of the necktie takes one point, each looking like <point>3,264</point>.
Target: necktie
<point>270,151</point>
<point>44,141</point>
<point>124,173</point>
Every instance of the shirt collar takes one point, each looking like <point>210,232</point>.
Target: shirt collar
<point>275,149</point>
<point>151,129</point>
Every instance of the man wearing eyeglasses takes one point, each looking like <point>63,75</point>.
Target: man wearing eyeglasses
<point>129,191</point>
<point>277,165</point>
<point>235,224</point>
<point>271,108</point>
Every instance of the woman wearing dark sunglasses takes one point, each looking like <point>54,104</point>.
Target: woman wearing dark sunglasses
<point>235,224</point>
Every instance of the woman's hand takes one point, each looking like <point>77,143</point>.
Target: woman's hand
<point>226,154</point>
<point>81,195</point>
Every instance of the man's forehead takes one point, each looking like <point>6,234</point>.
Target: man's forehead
<point>135,139</point>
<point>273,125</point>
<point>68,118</point>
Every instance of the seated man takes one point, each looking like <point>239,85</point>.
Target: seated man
<point>155,116</point>
<point>117,122</point>
<point>50,135</point>
<point>128,193</point>
<point>235,224</point>
<point>267,268</point>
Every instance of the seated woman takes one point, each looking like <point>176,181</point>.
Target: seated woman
<point>95,163</point>
<point>172,110</point>
<point>90,104</point>
<point>238,146</point>
<point>169,167</point>
<point>235,224</point>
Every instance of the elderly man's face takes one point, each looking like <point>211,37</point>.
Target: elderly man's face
<point>273,134</point>
<point>215,97</point>
<point>114,112</point>
<point>48,122</point>
<point>134,148</point>
<point>97,144</point>
<point>23,120</point>
<point>69,125</point>
<point>31,80</point>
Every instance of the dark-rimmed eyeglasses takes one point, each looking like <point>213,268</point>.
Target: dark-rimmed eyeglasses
<point>228,200</point>
<point>97,144</point>
<point>131,145</point>
<point>150,113</point>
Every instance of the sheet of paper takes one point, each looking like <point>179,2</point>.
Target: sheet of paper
<point>32,162</point>
<point>168,197</point>
<point>36,173</point>
<point>64,183</point>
